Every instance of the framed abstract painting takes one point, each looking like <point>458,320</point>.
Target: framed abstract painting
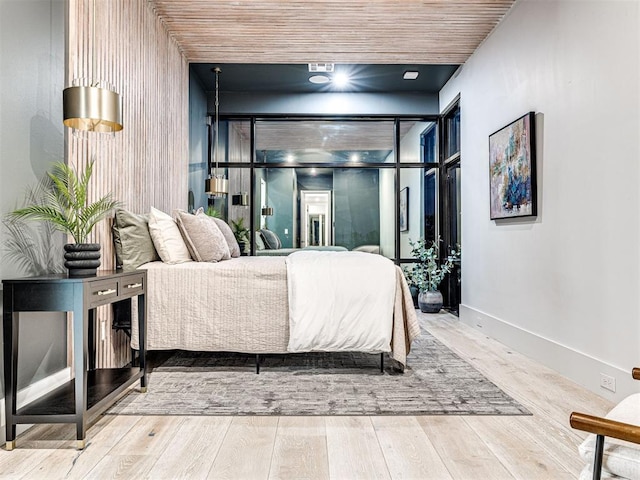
<point>512,169</point>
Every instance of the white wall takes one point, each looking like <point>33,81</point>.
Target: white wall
<point>564,287</point>
<point>31,84</point>
<point>325,103</point>
<point>387,212</point>
<point>31,137</point>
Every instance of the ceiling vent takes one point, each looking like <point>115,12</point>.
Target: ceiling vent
<point>321,67</point>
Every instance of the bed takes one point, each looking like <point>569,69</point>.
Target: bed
<point>243,305</point>
<point>204,296</point>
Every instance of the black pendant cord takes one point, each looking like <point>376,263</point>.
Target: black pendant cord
<point>210,146</point>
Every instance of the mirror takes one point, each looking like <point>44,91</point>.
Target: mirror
<point>317,176</point>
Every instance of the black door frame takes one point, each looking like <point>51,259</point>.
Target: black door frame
<point>451,288</point>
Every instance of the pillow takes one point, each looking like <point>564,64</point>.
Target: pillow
<point>620,458</point>
<point>234,246</point>
<point>368,249</point>
<point>271,240</point>
<point>132,240</point>
<point>167,238</point>
<point>204,239</point>
<point>259,242</point>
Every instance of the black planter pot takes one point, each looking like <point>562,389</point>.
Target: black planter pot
<point>414,295</point>
<point>82,259</point>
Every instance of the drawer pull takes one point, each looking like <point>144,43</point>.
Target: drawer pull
<point>107,292</point>
<point>133,285</point>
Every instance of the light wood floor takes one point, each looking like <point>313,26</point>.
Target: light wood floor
<point>541,446</point>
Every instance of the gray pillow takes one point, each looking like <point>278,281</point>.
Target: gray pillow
<point>234,247</point>
<point>259,242</point>
<point>271,240</point>
<point>204,239</point>
<point>132,241</point>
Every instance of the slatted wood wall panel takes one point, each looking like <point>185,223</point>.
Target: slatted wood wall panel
<point>146,164</point>
<point>340,31</point>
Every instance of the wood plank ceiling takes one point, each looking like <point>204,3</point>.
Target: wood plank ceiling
<point>303,31</point>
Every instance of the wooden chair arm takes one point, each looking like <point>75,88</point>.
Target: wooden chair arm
<point>635,373</point>
<point>606,427</point>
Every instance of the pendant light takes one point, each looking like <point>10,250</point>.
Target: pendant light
<point>240,199</point>
<point>215,185</point>
<point>89,104</point>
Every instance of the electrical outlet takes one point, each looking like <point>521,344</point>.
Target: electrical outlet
<point>607,382</point>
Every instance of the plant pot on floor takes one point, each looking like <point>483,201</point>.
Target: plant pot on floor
<point>414,295</point>
<point>430,301</point>
<point>82,259</point>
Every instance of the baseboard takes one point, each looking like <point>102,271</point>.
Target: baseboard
<point>33,392</point>
<point>573,364</point>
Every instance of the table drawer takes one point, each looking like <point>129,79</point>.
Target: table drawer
<point>131,285</point>
<point>104,292</point>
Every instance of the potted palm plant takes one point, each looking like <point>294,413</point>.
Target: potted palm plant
<point>427,274</point>
<point>66,208</point>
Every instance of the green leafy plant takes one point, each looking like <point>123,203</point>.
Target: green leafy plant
<point>65,204</point>
<point>427,275</point>
<point>212,212</point>
<point>240,231</point>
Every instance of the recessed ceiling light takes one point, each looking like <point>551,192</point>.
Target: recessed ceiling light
<point>341,79</point>
<point>355,157</point>
<point>410,75</point>
<point>319,79</point>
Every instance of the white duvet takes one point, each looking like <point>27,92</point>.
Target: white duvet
<point>340,301</point>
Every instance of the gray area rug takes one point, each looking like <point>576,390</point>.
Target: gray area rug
<point>436,382</point>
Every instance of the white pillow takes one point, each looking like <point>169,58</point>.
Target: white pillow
<point>167,238</point>
<point>203,237</point>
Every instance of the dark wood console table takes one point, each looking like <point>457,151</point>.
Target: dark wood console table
<point>92,390</point>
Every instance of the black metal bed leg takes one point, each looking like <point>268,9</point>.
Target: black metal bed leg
<point>257,364</point>
<point>597,460</point>
<point>382,363</point>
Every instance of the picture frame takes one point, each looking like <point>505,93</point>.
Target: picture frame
<point>404,210</point>
<point>512,169</point>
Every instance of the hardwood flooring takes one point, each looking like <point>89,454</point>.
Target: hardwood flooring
<point>541,446</point>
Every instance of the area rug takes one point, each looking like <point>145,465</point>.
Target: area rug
<point>436,382</point>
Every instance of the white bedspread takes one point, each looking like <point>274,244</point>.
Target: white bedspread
<point>340,301</point>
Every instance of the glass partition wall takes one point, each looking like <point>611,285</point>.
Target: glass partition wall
<point>318,182</point>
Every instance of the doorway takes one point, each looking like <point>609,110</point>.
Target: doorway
<point>452,234</point>
<point>316,225</point>
<point>451,222</point>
